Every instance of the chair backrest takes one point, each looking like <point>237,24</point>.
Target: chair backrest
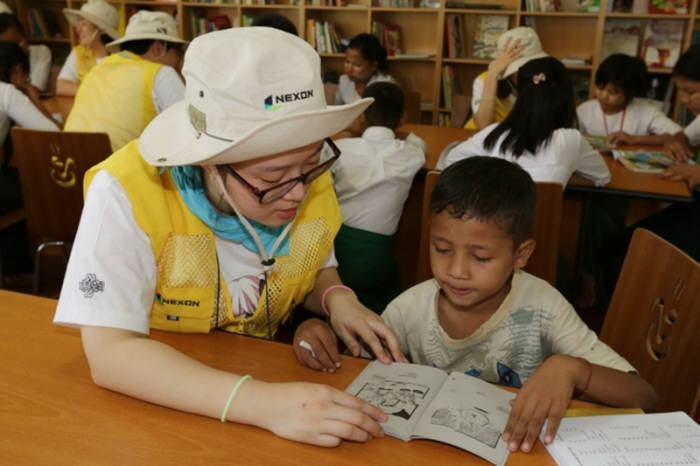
<point>653,320</point>
<point>545,230</point>
<point>461,109</point>
<point>411,106</point>
<point>51,168</point>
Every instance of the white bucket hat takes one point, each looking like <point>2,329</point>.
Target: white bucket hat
<point>530,45</point>
<point>156,25</point>
<point>250,92</point>
<point>5,9</point>
<point>100,13</point>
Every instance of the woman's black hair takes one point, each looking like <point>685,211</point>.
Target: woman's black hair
<point>277,21</point>
<point>7,21</point>
<point>545,103</point>
<point>688,65</point>
<point>11,55</point>
<point>626,72</point>
<point>370,48</point>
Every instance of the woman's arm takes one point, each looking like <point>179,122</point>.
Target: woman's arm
<point>350,319</point>
<point>65,87</point>
<point>26,109</point>
<point>486,113</point>
<point>133,364</point>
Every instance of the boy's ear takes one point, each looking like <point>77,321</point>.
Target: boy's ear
<point>523,252</point>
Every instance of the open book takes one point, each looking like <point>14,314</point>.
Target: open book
<point>425,402</point>
<point>643,161</point>
<point>599,143</point>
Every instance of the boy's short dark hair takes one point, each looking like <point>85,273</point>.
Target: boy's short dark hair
<point>487,189</point>
<point>387,108</point>
<point>688,65</point>
<point>7,21</point>
<point>11,55</point>
<point>626,72</point>
<point>277,21</point>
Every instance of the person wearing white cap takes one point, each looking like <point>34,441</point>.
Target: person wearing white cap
<point>39,55</point>
<point>96,24</point>
<point>124,92</point>
<point>493,91</point>
<point>223,216</point>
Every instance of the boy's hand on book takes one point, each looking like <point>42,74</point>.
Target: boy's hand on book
<point>678,149</point>
<point>544,397</point>
<point>319,337</point>
<point>316,414</point>
<point>351,320</point>
<point>621,138</point>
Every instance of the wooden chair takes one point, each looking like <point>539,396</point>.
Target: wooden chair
<point>461,110</point>
<point>411,107</point>
<point>51,168</point>
<point>653,320</point>
<point>545,230</point>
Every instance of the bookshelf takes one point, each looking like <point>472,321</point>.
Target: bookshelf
<point>564,34</point>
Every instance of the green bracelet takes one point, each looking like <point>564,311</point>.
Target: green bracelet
<point>232,395</point>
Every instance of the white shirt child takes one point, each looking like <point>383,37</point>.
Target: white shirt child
<point>533,322</point>
<point>640,118</point>
<point>346,92</point>
<point>567,153</point>
<point>111,246</point>
<point>373,177</point>
<point>15,106</point>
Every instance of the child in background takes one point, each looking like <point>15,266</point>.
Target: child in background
<point>372,180</point>
<point>482,315</point>
<point>277,21</point>
<point>365,63</point>
<point>125,91</point>
<point>494,91</point>
<point>617,112</point>
<point>540,132</point>
<point>684,145</point>
<point>96,24</point>
<point>39,55</point>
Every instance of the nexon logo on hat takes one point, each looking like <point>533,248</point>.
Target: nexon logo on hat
<point>272,101</point>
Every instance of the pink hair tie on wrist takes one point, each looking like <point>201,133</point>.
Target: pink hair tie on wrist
<point>328,290</point>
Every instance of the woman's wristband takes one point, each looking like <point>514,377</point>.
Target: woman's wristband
<point>580,392</point>
<point>328,290</point>
<point>233,395</point>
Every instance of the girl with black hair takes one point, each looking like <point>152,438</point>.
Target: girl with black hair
<point>618,112</point>
<point>39,55</point>
<point>540,132</point>
<point>365,63</point>
<point>19,100</point>
<point>96,25</point>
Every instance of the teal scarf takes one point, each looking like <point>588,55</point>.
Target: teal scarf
<point>189,181</point>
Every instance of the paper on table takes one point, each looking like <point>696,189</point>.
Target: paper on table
<point>648,439</point>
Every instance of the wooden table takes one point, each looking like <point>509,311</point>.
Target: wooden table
<point>52,413</point>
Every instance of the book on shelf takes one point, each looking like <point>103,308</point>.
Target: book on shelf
<point>542,5</point>
<point>677,7</point>
<point>450,85</point>
<point>322,36</point>
<point>424,402</point>
<point>473,6</point>
<point>651,439</point>
<point>643,161</point>
<point>661,46</point>
<point>487,31</point>
<point>588,6</point>
<point>392,39</point>
<point>454,35</point>
<point>201,24</point>
<point>621,36</point>
<point>43,23</point>
<point>393,3</point>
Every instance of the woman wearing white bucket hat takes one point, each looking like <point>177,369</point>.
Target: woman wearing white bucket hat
<point>96,24</point>
<point>493,92</point>
<point>124,92</point>
<point>222,216</point>
<point>39,55</point>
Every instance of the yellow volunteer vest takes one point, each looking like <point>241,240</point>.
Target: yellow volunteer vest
<point>191,295</point>
<point>503,108</point>
<point>116,98</point>
<point>85,59</point>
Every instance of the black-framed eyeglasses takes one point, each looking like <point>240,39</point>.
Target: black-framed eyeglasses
<point>266,196</point>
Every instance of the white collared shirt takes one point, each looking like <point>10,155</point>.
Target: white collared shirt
<point>641,118</point>
<point>346,92</point>
<point>373,176</point>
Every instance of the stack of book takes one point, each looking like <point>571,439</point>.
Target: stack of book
<point>389,36</point>
<point>322,36</point>
<point>201,24</point>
